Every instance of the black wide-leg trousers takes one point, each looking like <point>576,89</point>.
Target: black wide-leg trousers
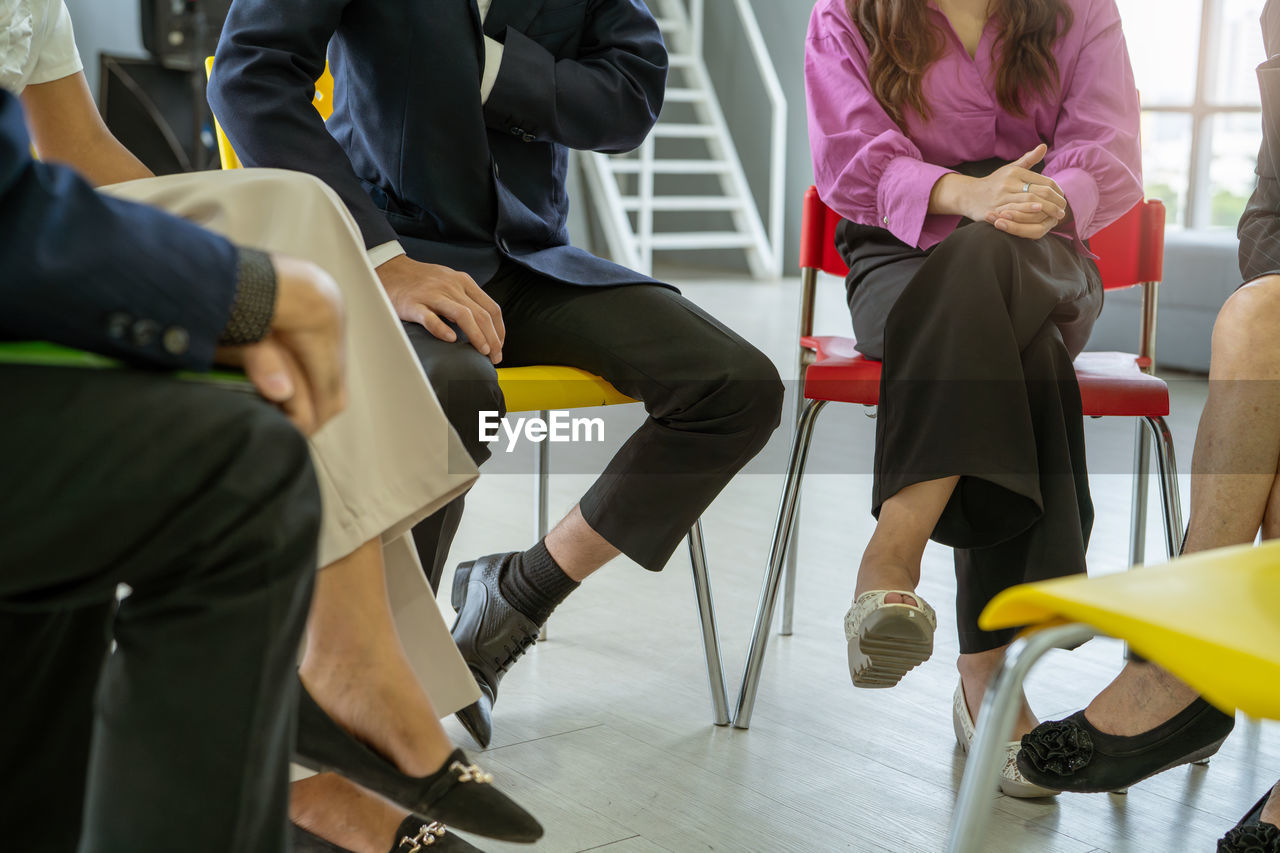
<point>203,501</point>
<point>713,401</point>
<point>977,336</point>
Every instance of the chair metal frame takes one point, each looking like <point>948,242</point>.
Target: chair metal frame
<point>1150,431</point>
<point>697,545</point>
<point>701,582</point>
<point>999,709</point>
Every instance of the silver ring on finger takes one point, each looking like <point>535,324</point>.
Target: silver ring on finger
<point>1026,188</point>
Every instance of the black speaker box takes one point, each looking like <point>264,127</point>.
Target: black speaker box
<point>181,33</point>
<point>158,113</point>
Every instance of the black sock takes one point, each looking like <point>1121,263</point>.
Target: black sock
<point>534,583</point>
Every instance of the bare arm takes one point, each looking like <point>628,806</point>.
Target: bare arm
<point>66,128</point>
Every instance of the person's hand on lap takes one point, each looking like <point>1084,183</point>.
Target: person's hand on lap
<point>1031,214</point>
<point>1012,198</point>
<point>430,295</point>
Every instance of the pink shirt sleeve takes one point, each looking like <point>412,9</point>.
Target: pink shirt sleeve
<point>866,168</point>
<point>1096,154</point>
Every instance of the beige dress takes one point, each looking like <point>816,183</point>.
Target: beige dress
<point>391,458</point>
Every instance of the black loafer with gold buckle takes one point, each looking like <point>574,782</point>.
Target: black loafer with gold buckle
<point>459,793</point>
<point>412,836</point>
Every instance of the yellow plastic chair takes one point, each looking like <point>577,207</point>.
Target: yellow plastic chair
<point>541,388</point>
<point>1211,619</point>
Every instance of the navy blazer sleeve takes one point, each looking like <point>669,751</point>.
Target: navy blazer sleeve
<point>607,98</point>
<point>88,271</point>
<point>264,80</point>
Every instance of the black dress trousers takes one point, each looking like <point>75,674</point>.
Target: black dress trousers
<point>713,401</point>
<point>977,336</point>
<point>203,501</point>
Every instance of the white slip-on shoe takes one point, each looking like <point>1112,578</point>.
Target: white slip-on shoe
<point>1012,782</point>
<point>886,641</point>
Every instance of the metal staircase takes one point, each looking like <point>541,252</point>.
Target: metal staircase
<point>685,188</point>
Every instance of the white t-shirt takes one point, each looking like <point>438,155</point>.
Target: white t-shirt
<point>37,44</point>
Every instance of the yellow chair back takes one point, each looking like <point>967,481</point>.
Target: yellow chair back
<point>1211,619</point>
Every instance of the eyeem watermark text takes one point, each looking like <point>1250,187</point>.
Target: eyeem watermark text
<point>559,427</point>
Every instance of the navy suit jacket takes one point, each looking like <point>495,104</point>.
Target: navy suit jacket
<point>410,147</point>
<point>84,270</point>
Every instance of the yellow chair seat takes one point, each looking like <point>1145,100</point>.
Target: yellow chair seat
<point>549,386</point>
<point>1211,619</point>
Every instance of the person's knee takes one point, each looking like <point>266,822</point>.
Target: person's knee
<point>1250,319</point>
<point>464,382</point>
<point>980,254</point>
<point>302,197</point>
<point>979,240</point>
<point>744,388</point>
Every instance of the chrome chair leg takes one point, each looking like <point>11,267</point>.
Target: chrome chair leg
<point>1138,508</point>
<point>1169,491</point>
<point>710,634</point>
<point>541,478</point>
<point>1138,503</point>
<point>777,554</point>
<point>793,549</point>
<point>999,707</point>
<point>789,577</point>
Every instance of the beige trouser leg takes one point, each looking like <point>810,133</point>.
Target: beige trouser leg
<point>391,458</point>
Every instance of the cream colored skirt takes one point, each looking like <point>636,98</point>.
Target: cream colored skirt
<point>391,458</point>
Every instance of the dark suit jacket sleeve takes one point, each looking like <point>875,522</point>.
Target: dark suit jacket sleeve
<point>84,270</point>
<point>264,73</point>
<point>606,99</point>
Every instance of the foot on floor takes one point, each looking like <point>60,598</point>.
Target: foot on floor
<point>490,633</point>
<point>332,815</point>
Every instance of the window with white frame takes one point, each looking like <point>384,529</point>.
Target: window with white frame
<point>1194,61</point>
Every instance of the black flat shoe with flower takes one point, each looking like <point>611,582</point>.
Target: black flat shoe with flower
<point>1251,835</point>
<point>1073,755</point>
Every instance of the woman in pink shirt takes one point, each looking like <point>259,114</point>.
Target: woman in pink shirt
<point>973,147</point>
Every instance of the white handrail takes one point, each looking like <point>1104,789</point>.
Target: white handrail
<point>697,17</point>
<point>778,141</point>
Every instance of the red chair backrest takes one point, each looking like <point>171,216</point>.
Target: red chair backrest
<point>818,237</point>
<point>1130,250</point>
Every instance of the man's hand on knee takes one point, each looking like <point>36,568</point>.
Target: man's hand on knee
<point>430,295</point>
<point>300,364</point>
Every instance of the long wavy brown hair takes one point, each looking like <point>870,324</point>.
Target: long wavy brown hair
<point>904,43</point>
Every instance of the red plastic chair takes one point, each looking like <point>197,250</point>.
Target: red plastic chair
<point>1131,253</point>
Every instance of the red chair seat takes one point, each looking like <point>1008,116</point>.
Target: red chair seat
<point>1111,383</point>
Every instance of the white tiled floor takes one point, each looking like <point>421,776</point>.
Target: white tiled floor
<point>604,731</point>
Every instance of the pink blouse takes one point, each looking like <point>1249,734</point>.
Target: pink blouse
<point>873,172</point>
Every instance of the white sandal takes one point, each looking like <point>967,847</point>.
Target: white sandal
<point>887,640</point>
<point>1012,782</point>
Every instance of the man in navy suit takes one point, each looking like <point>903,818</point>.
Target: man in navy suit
<point>449,141</point>
<point>201,499</point>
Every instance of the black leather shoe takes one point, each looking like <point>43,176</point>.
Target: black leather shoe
<point>459,793</point>
<point>412,836</point>
<point>490,633</point>
<point>1251,835</point>
<point>1072,755</point>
